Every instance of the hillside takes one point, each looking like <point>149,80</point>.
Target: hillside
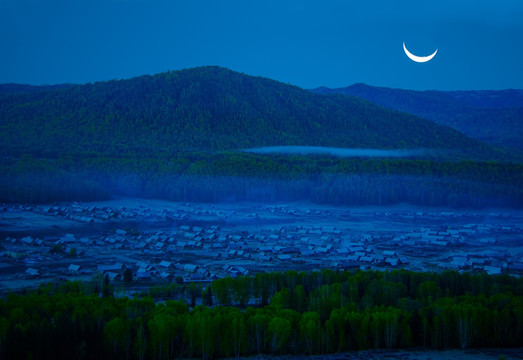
<point>207,108</point>
<point>495,117</point>
<point>495,99</point>
<point>178,136</point>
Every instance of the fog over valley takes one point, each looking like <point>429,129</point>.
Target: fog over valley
<point>343,152</point>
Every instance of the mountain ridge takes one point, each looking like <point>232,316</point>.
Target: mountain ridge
<point>207,108</point>
<point>493,116</point>
<point>178,136</point>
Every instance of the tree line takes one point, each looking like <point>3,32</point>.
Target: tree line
<point>215,177</point>
<point>207,108</point>
<point>315,312</point>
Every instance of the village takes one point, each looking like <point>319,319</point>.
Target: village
<point>160,242</point>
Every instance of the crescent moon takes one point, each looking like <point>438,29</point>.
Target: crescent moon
<point>420,59</point>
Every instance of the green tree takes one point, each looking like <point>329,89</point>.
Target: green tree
<point>161,334</point>
<point>4,326</point>
<point>300,299</point>
<point>278,330</point>
<point>258,323</point>
<point>207,296</point>
<point>428,289</point>
<point>194,293</point>
<point>391,326</point>
<point>140,343</point>
<point>127,275</point>
<point>107,288</point>
<point>118,336</point>
<point>310,330</point>
<point>237,332</point>
<point>72,252</point>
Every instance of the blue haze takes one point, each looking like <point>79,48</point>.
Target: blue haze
<point>342,152</point>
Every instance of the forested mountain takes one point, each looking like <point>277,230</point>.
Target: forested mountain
<point>207,108</point>
<point>179,136</point>
<point>494,99</point>
<point>492,116</point>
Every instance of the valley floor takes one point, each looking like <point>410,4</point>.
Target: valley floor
<point>160,241</point>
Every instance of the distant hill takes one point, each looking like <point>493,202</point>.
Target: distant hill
<point>495,99</point>
<point>492,116</point>
<point>22,88</point>
<point>206,108</point>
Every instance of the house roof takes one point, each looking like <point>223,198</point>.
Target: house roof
<point>492,270</point>
<point>190,267</point>
<point>112,275</point>
<point>73,267</point>
<point>32,272</point>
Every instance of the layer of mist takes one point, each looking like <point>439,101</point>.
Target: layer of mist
<point>334,189</point>
<point>342,152</point>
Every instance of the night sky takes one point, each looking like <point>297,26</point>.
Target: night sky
<point>305,43</point>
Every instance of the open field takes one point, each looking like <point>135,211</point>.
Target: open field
<point>160,240</point>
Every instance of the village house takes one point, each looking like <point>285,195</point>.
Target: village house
<point>74,269</point>
<point>32,273</point>
<point>492,270</point>
<point>166,265</point>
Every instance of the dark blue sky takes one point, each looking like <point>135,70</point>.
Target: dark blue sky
<point>305,43</point>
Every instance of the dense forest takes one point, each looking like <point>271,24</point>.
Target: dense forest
<point>495,117</point>
<point>181,135</point>
<point>207,108</point>
<point>270,313</point>
<point>236,176</point>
